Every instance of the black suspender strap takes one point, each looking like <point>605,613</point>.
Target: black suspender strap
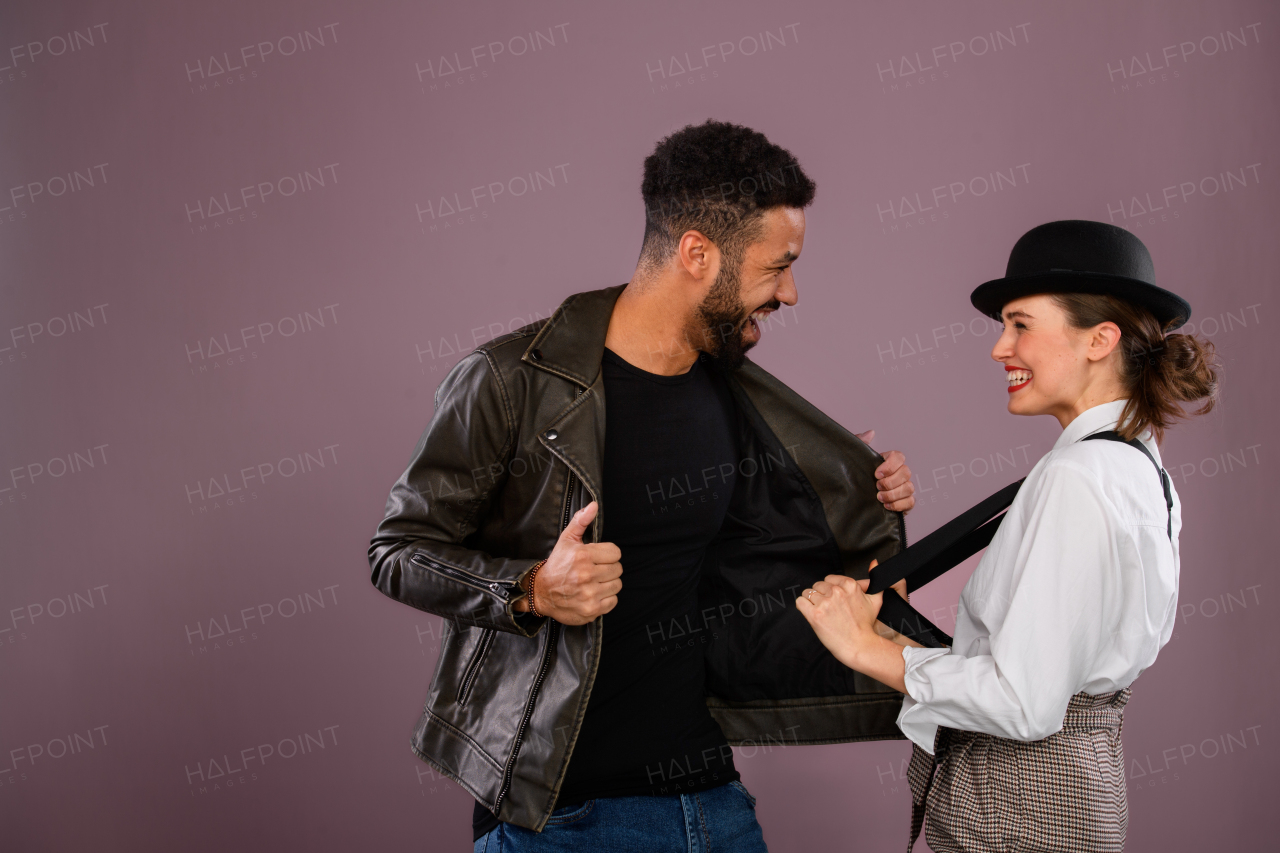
<point>1112,435</point>
<point>931,557</point>
<point>952,544</point>
<point>906,620</point>
<point>946,547</point>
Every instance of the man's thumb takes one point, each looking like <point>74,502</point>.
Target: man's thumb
<point>580,522</point>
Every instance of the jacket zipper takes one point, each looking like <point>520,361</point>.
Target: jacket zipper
<point>553,634</point>
<point>501,590</point>
<point>568,502</point>
<point>468,680</point>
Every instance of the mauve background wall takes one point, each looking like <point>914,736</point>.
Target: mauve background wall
<point>155,624</point>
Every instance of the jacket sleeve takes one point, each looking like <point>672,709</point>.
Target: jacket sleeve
<point>418,555</point>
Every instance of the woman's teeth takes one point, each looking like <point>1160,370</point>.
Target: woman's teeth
<point>1017,377</point>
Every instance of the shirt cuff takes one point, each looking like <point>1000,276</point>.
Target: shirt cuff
<point>919,731</point>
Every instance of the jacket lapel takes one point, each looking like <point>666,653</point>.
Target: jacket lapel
<point>571,343</point>
<point>571,346</point>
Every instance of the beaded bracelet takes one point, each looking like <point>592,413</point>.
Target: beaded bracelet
<point>533,576</point>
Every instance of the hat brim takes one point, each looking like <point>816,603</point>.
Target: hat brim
<point>1168,308</point>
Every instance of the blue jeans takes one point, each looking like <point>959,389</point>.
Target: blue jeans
<point>721,820</point>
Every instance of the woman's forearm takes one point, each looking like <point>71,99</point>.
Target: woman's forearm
<point>881,659</point>
<point>901,639</point>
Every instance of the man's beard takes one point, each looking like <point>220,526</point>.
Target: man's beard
<point>716,328</point>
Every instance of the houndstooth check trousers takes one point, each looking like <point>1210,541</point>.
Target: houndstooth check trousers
<point>981,794</point>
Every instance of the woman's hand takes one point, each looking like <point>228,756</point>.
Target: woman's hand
<point>844,618</point>
<point>842,615</point>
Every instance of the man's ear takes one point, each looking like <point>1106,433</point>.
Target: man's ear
<point>1103,340</point>
<point>698,255</point>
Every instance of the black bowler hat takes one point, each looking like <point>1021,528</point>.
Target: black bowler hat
<point>1080,256</point>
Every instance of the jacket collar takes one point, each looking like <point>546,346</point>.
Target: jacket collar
<point>571,344</point>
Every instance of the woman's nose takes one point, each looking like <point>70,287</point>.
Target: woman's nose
<point>1004,347</point>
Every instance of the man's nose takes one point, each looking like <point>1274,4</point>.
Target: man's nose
<point>786,292</point>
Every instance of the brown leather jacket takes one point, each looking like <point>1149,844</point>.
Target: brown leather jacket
<point>515,446</point>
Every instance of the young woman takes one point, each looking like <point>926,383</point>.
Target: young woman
<point>1077,592</point>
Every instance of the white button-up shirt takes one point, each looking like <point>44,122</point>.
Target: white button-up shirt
<point>1078,591</point>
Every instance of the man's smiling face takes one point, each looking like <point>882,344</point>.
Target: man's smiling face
<point>728,319</point>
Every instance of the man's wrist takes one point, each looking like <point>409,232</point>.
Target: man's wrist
<point>526,603</point>
<point>533,577</point>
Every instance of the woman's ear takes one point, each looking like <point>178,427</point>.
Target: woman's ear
<point>1103,339</point>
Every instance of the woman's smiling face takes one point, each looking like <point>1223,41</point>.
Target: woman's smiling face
<point>1052,368</point>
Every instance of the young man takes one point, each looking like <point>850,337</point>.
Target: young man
<point>630,430</point>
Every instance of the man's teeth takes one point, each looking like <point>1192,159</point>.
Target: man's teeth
<point>1017,377</point>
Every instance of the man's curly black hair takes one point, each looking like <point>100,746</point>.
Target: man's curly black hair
<point>717,178</point>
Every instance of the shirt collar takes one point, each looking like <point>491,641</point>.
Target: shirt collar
<point>1097,419</point>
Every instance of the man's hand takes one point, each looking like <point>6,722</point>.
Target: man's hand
<point>893,478</point>
<point>579,581</point>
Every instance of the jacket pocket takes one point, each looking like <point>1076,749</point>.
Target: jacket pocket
<point>473,667</point>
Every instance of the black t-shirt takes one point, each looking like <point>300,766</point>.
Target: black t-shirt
<point>670,460</point>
